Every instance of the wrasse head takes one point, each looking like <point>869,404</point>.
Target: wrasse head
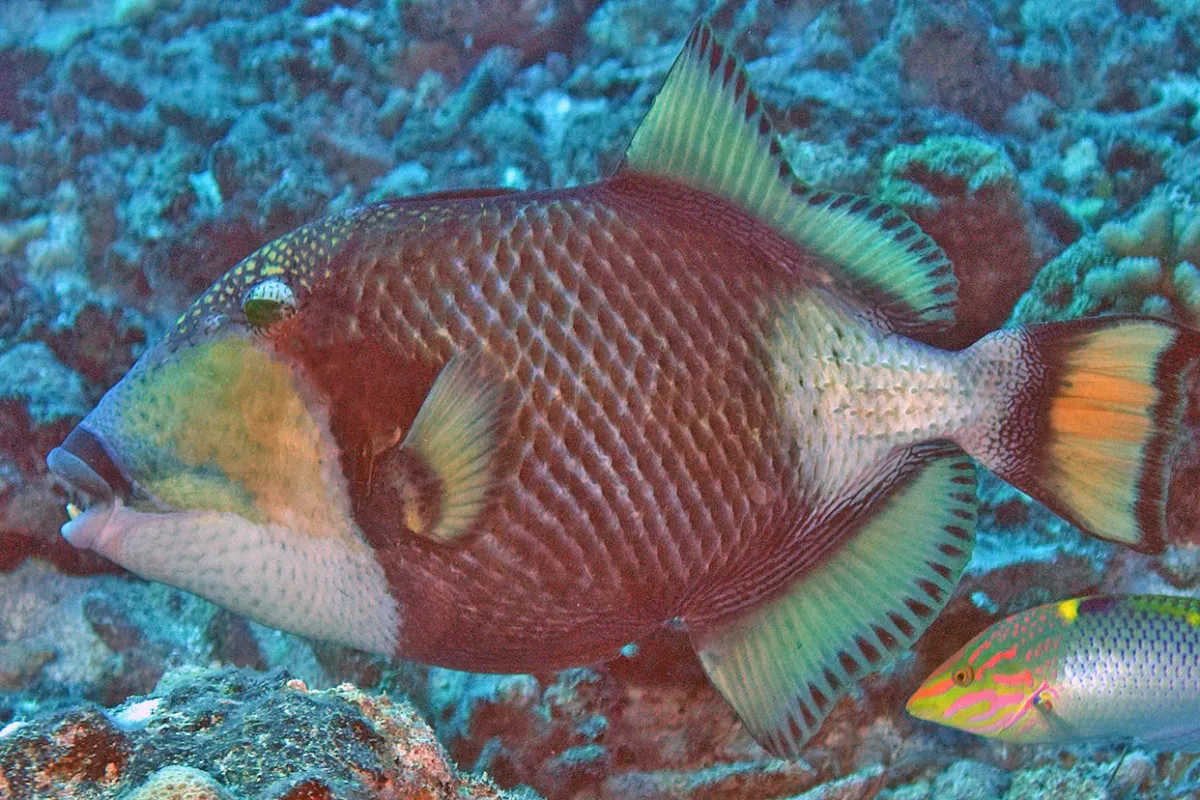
<point>990,687</point>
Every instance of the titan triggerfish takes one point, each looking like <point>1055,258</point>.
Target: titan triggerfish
<point>516,431</point>
<point>1109,668</point>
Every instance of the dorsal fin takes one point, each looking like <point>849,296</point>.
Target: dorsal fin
<point>708,130</point>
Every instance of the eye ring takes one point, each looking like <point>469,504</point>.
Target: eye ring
<point>267,303</point>
<point>963,676</point>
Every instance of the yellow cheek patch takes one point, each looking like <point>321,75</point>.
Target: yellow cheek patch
<point>229,408</point>
<point>189,491</point>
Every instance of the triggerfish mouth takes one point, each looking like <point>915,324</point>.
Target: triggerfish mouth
<point>1108,668</point>
<point>516,431</point>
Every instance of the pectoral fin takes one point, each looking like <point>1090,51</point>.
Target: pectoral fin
<point>784,663</point>
<point>437,480</point>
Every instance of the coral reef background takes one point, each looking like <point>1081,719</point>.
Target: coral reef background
<point>1052,147</point>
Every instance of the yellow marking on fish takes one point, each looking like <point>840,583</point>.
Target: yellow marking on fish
<point>1069,610</point>
<point>243,407</point>
<point>1101,423</point>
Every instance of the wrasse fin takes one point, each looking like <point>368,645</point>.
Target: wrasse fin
<point>708,130</point>
<point>454,441</point>
<point>1183,739</point>
<point>1045,706</point>
<point>1105,402</point>
<point>783,664</point>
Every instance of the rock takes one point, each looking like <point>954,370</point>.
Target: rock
<point>970,780</point>
<point>964,192</point>
<point>1144,264</point>
<point>268,736</point>
<point>747,780</point>
<point>949,57</point>
<point>864,783</point>
<point>33,377</point>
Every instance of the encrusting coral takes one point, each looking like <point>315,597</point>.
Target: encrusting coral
<point>963,191</point>
<point>179,783</point>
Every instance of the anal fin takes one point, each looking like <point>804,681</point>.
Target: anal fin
<point>783,664</point>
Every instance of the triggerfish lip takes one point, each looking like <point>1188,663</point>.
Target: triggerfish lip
<point>85,466</point>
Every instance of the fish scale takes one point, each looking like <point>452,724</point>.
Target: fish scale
<point>652,430</point>
<point>1118,663</point>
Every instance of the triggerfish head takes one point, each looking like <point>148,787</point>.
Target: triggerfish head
<point>1109,668</point>
<point>506,431</point>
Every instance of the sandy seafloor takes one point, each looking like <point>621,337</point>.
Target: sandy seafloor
<point>147,145</point>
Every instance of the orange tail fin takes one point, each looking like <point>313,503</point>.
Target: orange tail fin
<point>1090,419</point>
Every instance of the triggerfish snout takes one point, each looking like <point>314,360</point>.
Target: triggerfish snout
<point>210,467</point>
<point>1108,668</point>
<point>516,431</point>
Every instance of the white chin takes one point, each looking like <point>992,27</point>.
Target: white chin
<point>324,587</point>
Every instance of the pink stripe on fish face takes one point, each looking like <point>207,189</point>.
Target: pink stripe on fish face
<point>996,703</point>
<point>1024,677</point>
<point>1003,655</point>
<point>1021,716</point>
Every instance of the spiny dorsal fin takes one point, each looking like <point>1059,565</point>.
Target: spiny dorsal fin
<point>708,130</point>
<point>456,437</point>
<point>783,664</point>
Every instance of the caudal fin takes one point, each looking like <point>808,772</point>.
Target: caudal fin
<point>1094,409</point>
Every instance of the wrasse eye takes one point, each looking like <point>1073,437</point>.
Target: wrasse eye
<point>963,675</point>
<point>268,302</point>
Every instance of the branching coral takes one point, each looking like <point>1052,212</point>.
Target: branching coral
<point>1146,264</point>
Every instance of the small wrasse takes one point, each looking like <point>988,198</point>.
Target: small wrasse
<point>516,431</point>
<point>1108,668</point>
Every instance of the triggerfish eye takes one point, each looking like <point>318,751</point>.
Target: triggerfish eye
<point>268,302</point>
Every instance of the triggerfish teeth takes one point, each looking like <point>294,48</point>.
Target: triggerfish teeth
<point>1109,668</point>
<point>516,431</point>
